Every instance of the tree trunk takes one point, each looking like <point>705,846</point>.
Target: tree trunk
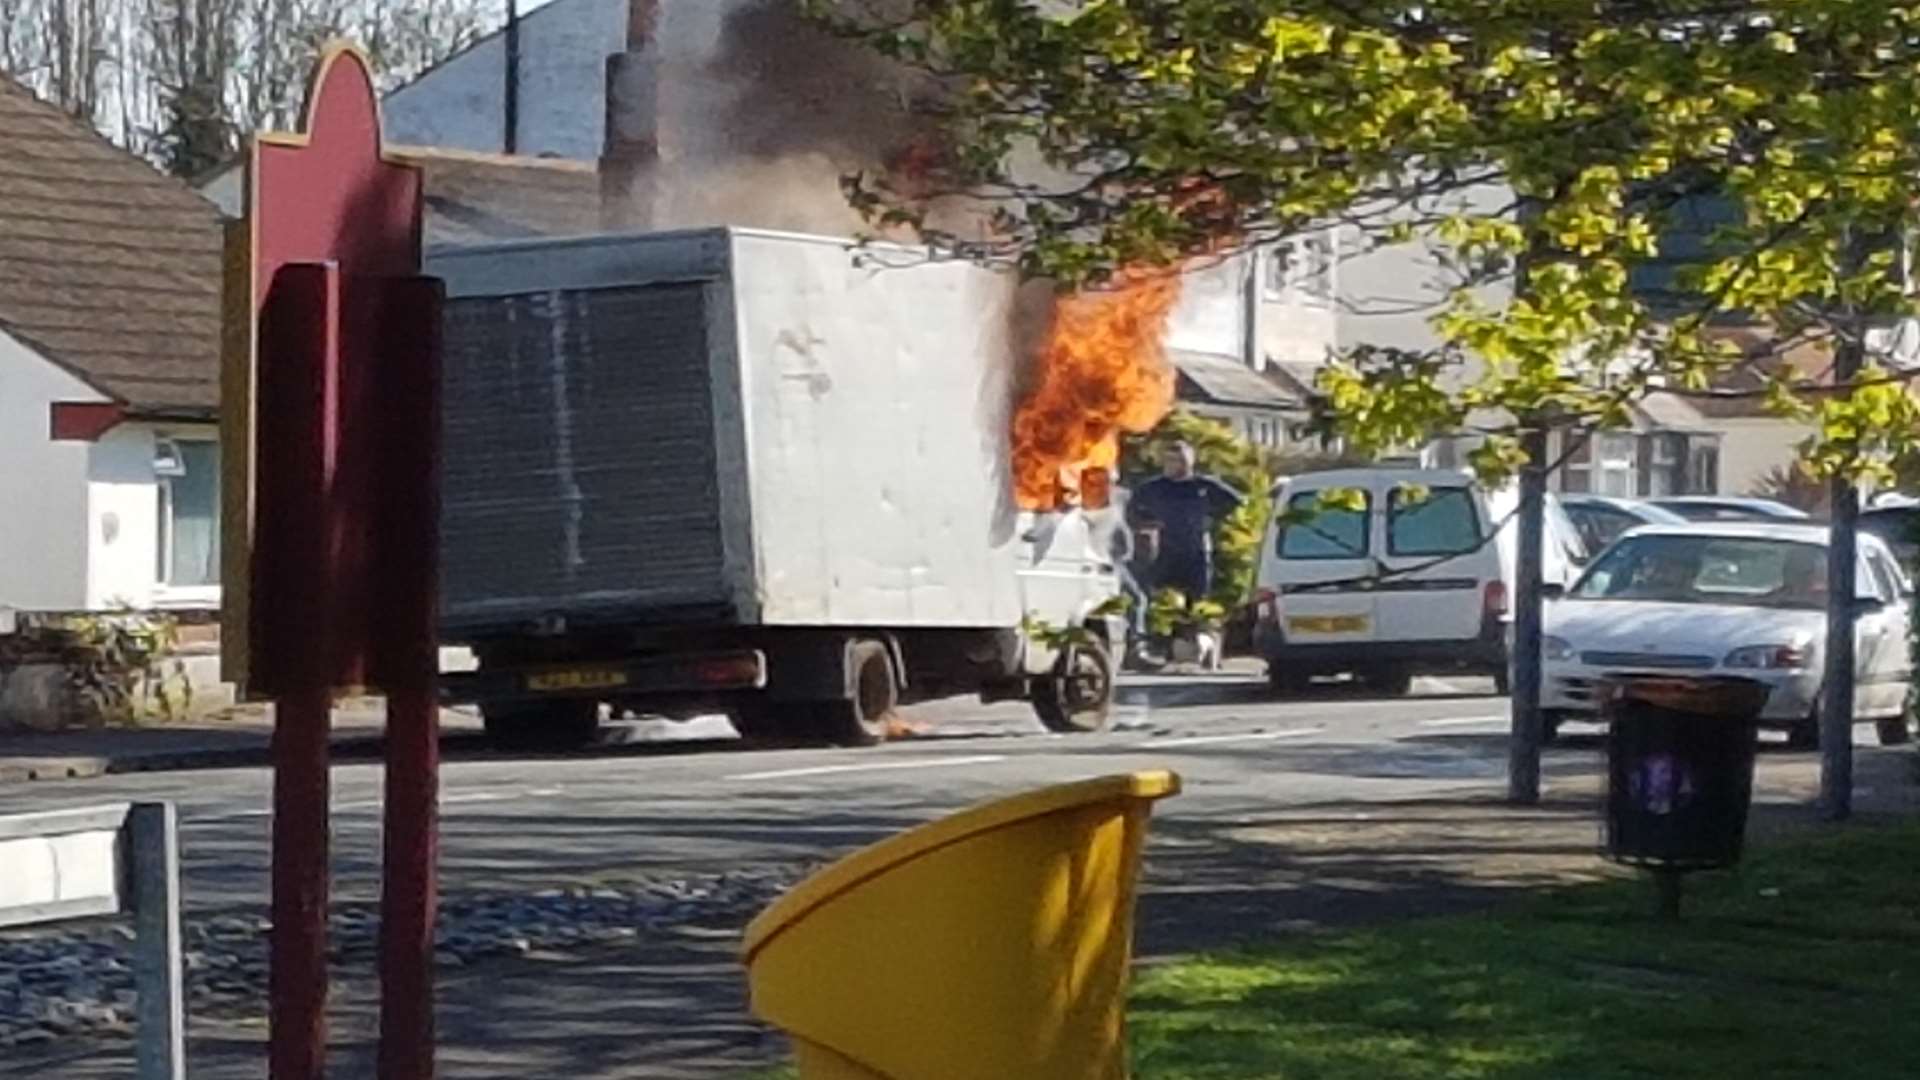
<point>1523,745</point>
<point>1836,706</point>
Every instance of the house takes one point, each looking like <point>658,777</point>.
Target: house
<point>109,373</point>
<point>1388,298</point>
<point>627,114</point>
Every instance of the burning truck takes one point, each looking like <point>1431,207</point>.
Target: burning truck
<point>793,479</point>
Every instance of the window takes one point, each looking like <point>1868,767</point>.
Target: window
<point>1615,463</point>
<point>1709,570</point>
<point>188,472</point>
<point>1301,268</point>
<point>1329,533</point>
<point>1887,582</point>
<point>1443,523</point>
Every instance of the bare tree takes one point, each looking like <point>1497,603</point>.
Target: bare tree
<point>179,81</point>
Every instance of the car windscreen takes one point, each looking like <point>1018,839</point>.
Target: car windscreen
<point>1743,571</point>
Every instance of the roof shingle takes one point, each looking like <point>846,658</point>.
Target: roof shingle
<point>108,267</point>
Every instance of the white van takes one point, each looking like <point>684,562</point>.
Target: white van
<point>1415,583</point>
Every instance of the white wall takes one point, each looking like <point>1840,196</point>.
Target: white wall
<point>1389,295</point>
<point>1211,315</point>
<point>123,530</point>
<point>1751,448</point>
<point>43,486</point>
<point>564,47</point>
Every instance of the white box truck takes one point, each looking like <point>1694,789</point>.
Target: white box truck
<point>739,471</point>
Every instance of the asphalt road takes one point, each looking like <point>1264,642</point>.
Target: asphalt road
<point>532,822</point>
<point>1285,823</point>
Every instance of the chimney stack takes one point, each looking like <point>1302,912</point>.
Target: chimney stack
<point>631,151</point>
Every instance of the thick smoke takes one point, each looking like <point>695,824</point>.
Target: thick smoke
<point>761,114</point>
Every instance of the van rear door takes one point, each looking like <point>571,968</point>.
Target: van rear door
<point>1324,569</point>
<point>1439,560</point>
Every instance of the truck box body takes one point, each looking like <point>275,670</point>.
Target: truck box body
<point>725,427</point>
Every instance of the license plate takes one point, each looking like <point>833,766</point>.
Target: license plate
<point>1327,624</point>
<point>577,679</point>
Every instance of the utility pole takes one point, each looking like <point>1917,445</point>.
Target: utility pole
<point>1836,704</point>
<point>1523,744</point>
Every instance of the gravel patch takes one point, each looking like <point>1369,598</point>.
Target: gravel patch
<point>78,979</point>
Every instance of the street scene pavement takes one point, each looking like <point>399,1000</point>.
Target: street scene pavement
<point>592,901</point>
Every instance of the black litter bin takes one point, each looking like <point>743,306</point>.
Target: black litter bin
<point>1680,770</point>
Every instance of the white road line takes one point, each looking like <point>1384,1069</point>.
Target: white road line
<point>876,766</point>
<point>1464,721</point>
<point>1210,740</point>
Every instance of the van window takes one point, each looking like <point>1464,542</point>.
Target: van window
<point>1331,533</point>
<point>1443,523</point>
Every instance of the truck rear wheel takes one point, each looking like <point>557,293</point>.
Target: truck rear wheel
<point>1078,697</point>
<point>551,725</point>
<point>863,719</point>
<point>1892,730</point>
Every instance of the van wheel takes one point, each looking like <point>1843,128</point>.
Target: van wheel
<point>862,720</point>
<point>1287,681</point>
<point>552,725</point>
<point>1892,730</point>
<point>1392,681</point>
<point>1078,698</point>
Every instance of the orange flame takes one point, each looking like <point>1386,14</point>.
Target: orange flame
<point>1101,370</point>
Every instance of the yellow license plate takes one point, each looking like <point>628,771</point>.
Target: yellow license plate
<point>581,679</point>
<point>1327,624</point>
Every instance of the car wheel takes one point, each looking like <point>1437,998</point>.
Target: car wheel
<point>553,725</point>
<point>1503,682</point>
<point>1805,734</point>
<point>1392,681</point>
<point>1550,727</point>
<point>1892,730</point>
<point>1078,698</point>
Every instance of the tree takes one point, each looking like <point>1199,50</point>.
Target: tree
<point>1115,133</point>
<point>180,81</point>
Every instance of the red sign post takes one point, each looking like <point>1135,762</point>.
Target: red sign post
<point>331,423</point>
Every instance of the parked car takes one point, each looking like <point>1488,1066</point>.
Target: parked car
<point>1602,518</point>
<point>1414,581</point>
<point>1729,599</point>
<point>1896,521</point>
<point>1730,508</point>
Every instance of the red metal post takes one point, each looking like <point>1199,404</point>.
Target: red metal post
<point>294,622</point>
<point>405,415</point>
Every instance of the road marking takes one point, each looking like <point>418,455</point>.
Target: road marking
<point>876,766</point>
<point>1464,721</point>
<point>1210,740</point>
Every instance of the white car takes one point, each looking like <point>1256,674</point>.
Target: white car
<point>1728,598</point>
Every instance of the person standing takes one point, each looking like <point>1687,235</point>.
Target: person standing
<point>1185,505</point>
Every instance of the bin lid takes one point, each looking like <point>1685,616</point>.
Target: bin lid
<point>1725,696</point>
<point>876,858</point>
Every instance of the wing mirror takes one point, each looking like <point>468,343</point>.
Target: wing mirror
<point>1552,590</point>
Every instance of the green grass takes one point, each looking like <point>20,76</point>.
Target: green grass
<point>1804,963</point>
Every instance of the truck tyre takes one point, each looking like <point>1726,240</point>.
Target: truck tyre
<point>554,725</point>
<point>1892,730</point>
<point>1078,698</point>
<point>862,720</point>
